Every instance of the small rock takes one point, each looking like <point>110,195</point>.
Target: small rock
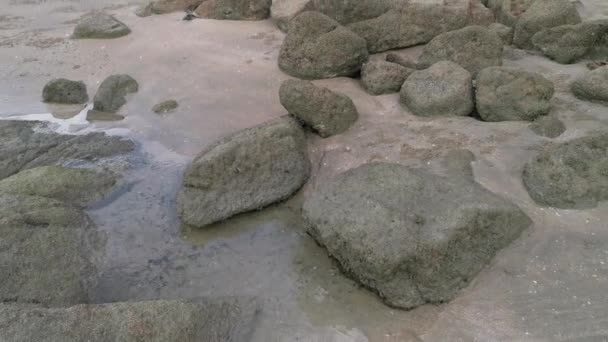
<point>401,60</point>
<point>569,43</point>
<point>380,77</point>
<point>505,94</point>
<point>234,9</point>
<point>247,171</point>
<point>570,175</point>
<point>65,91</point>
<point>508,12</point>
<point>318,47</point>
<point>548,126</point>
<point>411,236</point>
<point>503,31</point>
<point>473,48</point>
<point>112,91</point>
<point>167,6</point>
<point>593,86</point>
<point>99,25</point>
<point>543,14</point>
<point>326,112</point>
<point>165,107</point>
<point>443,89</point>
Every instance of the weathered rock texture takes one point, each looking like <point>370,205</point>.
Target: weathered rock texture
<point>99,25</point>
<point>65,91</point>
<point>247,171</point>
<point>548,126</point>
<point>570,175</point>
<point>167,6</point>
<point>543,14</point>
<point>593,86</point>
<point>410,235</point>
<point>318,47</point>
<point>505,94</point>
<point>324,111</point>
<point>165,107</point>
<point>473,47</point>
<point>234,9</point>
<point>208,320</point>
<point>407,62</point>
<point>380,77</point>
<point>503,31</point>
<point>509,11</point>
<point>443,89</point>
<point>111,93</point>
<point>417,22</point>
<point>569,43</point>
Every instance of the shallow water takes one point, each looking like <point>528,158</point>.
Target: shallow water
<point>549,285</point>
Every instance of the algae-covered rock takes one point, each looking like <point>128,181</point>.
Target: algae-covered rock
<point>326,112</point>
<point>111,93</point>
<point>503,31</point>
<point>99,25</point>
<point>569,43</point>
<point>411,236</point>
<point>593,86</point>
<point>316,46</point>
<point>548,126</point>
<point>505,94</point>
<point>473,48</point>
<point>543,14</point>
<point>234,9</point>
<point>441,90</point>
<point>76,186</point>
<point>195,320</point>
<point>380,77</point>
<point>570,175</point>
<point>165,107</point>
<point>246,171</point>
<point>65,91</point>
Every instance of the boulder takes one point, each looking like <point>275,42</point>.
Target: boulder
<point>99,25</point>
<point>404,61</point>
<point>409,235</point>
<point>418,22</point>
<point>568,43</point>
<point>76,186</point>
<point>570,175</point>
<point>380,77</point>
<point>473,48</point>
<point>111,93</point>
<point>593,86</point>
<point>28,144</point>
<point>503,31</point>
<point>507,94</point>
<point>326,112</point>
<point>318,47</point>
<point>282,11</point>
<point>234,9</point>
<point>61,90</point>
<point>48,251</point>
<point>167,6</point>
<point>165,107</point>
<point>443,89</point>
<point>246,171</point>
<point>548,126</point>
<point>508,12</point>
<point>543,14</point>
<point>196,320</point>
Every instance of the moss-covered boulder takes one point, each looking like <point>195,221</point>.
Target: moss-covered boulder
<point>593,86</point>
<point>543,14</point>
<point>100,25</point>
<point>65,91</point>
<point>234,9</point>
<point>111,93</point>
<point>382,77</point>
<point>569,43</point>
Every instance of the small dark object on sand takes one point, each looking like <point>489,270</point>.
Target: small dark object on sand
<point>190,15</point>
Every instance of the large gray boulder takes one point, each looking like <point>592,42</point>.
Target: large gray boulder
<point>48,251</point>
<point>61,90</point>
<point>570,175</point>
<point>318,47</point>
<point>543,14</point>
<point>100,25</point>
<point>417,22</point>
<point>593,86</point>
<point>111,93</point>
<point>443,89</point>
<point>509,94</point>
<point>324,111</point>
<point>247,171</point>
<point>569,43</point>
<point>234,9</point>
<point>196,320</point>
<point>411,236</point>
<point>381,77</point>
<point>28,144</point>
<point>473,48</point>
<point>76,186</point>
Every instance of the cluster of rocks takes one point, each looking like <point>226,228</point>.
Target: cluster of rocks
<point>211,9</point>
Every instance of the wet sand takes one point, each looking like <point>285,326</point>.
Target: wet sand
<point>549,285</point>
